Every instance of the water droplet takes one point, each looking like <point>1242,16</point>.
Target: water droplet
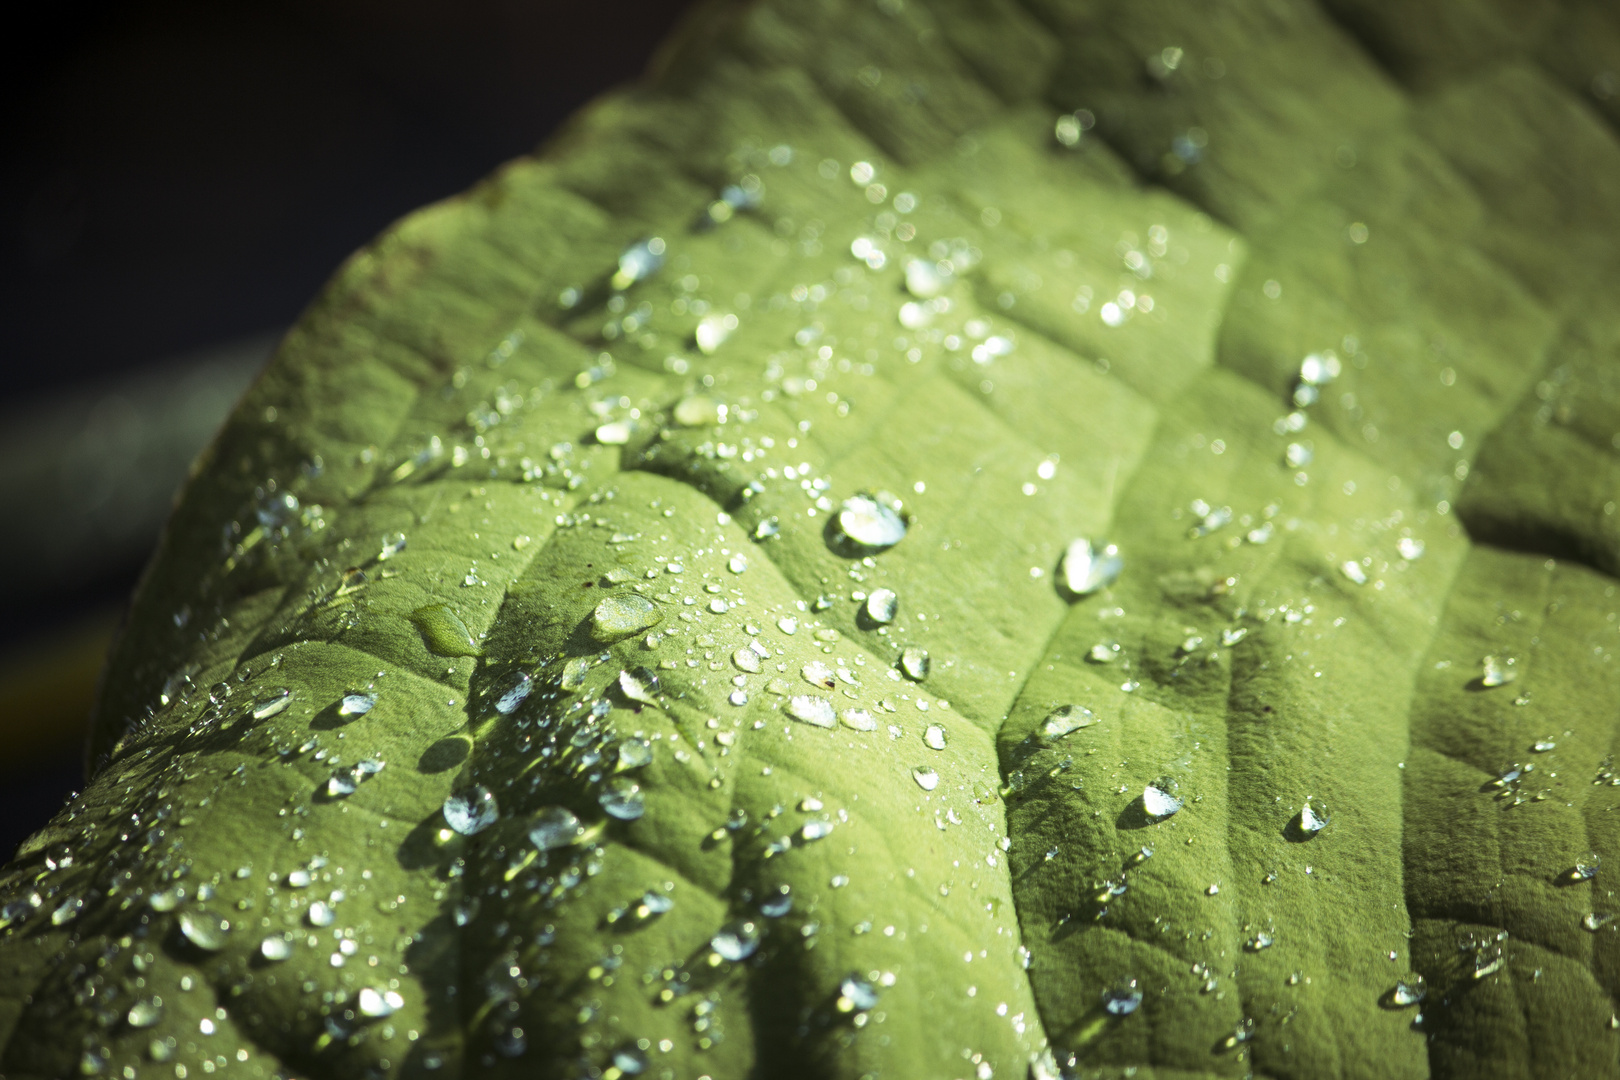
<point>816,830</point>
<point>1122,998</point>
<point>1298,455</point>
<point>376,1004</point>
<point>392,545</point>
<point>1319,369</point>
<point>777,903</point>
<point>1088,567</point>
<point>736,941</point>
<point>882,606</point>
<point>818,674</point>
<point>443,632</point>
<point>856,995</point>
<point>1105,652</point>
<point>924,279</point>
<point>654,904</point>
<point>143,1014</point>
<point>1066,719</point>
<point>357,704</point>
<point>788,625</point>
<point>1498,670</point>
<point>868,524</point>
<point>619,617</point>
<point>1160,799</point>
<point>320,913</point>
<point>639,684</point>
<point>555,827</point>
<point>639,261</point>
<point>272,704</point>
<point>1586,867</point>
<point>934,737</point>
<point>1261,941</point>
<point>767,529</point>
<point>1408,991</point>
<point>1593,921</point>
<point>635,753</point>
<point>67,911</point>
<point>204,929</point>
<point>858,720</point>
<point>812,709</point>
<point>275,948</point>
<point>712,332</point>
<point>698,410</point>
<point>1313,817</point>
<point>914,663</point>
<point>615,432</point>
<point>926,778</point>
<point>1232,635</point>
<point>1543,745</point>
<point>630,1060</point>
<point>517,688</point>
<point>1352,570</point>
<point>471,810</point>
<point>1409,548</point>
<point>341,785</point>
<point>746,659</point>
<point>738,564</point>
<point>622,799</point>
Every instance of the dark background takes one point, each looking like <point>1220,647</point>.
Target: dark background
<point>178,180</point>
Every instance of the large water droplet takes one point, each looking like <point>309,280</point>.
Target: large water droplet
<point>866,523</point>
<point>812,709</point>
<point>1088,566</point>
<point>777,903</point>
<point>926,778</point>
<point>143,1014</point>
<point>275,948</point>
<point>515,689</point>
<point>855,994</point>
<point>1313,817</point>
<point>1498,670</point>
<point>640,685</point>
<point>622,799</point>
<point>555,827</point>
<point>619,617</point>
<point>357,704</point>
<point>934,737</point>
<point>914,663</point>
<point>204,929</point>
<point>443,632</point>
<point>1586,867</point>
<point>858,720</point>
<point>736,941</point>
<point>376,1004</point>
<point>1409,991</point>
<point>1160,799</point>
<point>746,659</point>
<point>1066,719</point>
<point>1122,998</point>
<point>635,753</point>
<point>471,810</point>
<point>882,606</point>
<point>320,914</point>
<point>274,703</point>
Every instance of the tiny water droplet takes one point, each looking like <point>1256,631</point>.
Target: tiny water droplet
<point>1409,991</point>
<point>1353,570</point>
<point>375,1004</point>
<point>816,830</point>
<point>926,778</point>
<point>1409,548</point>
<point>1261,941</point>
<point>1105,652</point>
<point>856,995</point>
<point>698,410</point>
<point>471,810</point>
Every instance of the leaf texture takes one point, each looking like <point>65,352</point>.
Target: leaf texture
<point>1030,272</point>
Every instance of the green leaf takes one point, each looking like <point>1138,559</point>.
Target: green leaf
<point>612,764</point>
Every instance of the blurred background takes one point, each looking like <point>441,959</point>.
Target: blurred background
<point>178,179</point>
